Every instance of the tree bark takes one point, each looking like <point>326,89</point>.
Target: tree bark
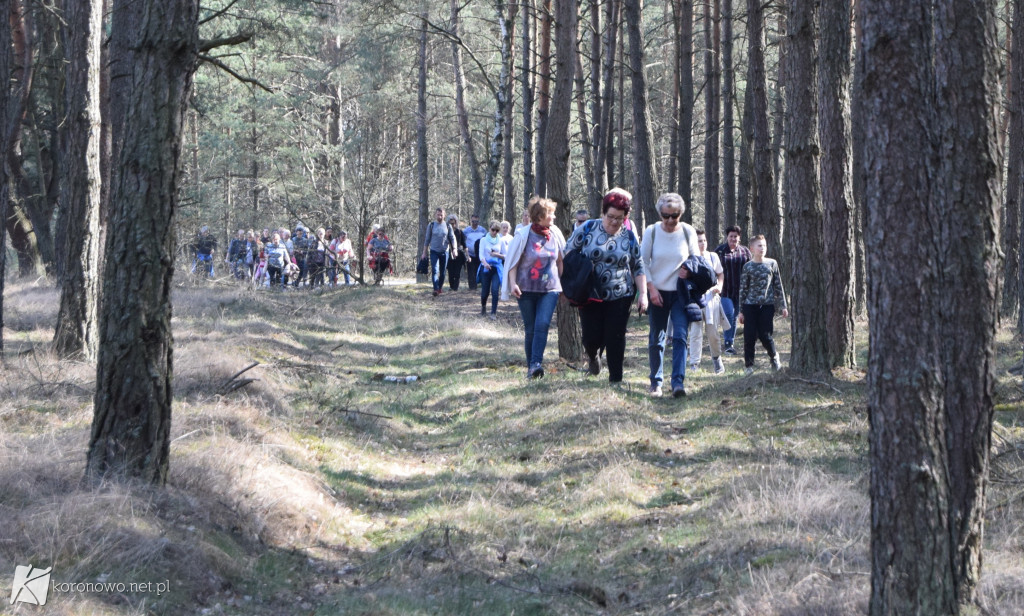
<point>462,114</point>
<point>508,183</point>
<point>529,178</point>
<point>1014,194</point>
<point>7,94</point>
<point>765,206</point>
<point>712,115</point>
<point>543,97</point>
<point>79,223</point>
<point>967,84</point>
<point>556,147</point>
<point>930,388</point>
<point>728,124</point>
<point>603,160</point>
<point>644,173</point>
<point>421,134</point>
<point>685,128</point>
<point>132,410</point>
<point>836,177</point>
<point>803,194</point>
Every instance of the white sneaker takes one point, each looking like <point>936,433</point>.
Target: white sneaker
<point>694,368</point>
<point>776,364</point>
<point>748,371</point>
<point>655,391</point>
<point>719,366</point>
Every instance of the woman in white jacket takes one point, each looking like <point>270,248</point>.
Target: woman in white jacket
<point>533,276</point>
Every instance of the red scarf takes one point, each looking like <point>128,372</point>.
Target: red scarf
<point>544,232</point>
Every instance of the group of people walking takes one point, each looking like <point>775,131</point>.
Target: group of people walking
<point>686,290</point>
<point>283,258</point>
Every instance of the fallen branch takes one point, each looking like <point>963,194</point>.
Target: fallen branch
<point>804,414</point>
<point>829,385</point>
<point>231,384</point>
<point>345,410</point>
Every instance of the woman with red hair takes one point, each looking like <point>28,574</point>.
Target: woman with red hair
<point>619,275</point>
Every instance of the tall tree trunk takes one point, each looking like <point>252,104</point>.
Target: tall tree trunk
<point>1014,194</point>
<point>685,128</point>
<point>529,178</point>
<point>860,285</point>
<point>712,133</point>
<point>7,96</point>
<point>778,131</point>
<point>556,147</point>
<point>728,124</point>
<point>508,183</point>
<point>909,489</point>
<point>930,389</point>
<point>132,410</point>
<point>461,113</point>
<point>765,207</point>
<point>644,173</point>
<point>502,95</point>
<point>803,194</point>
<point>744,182</point>
<point>543,97</point>
<point>421,134</point>
<point>79,223</point>
<point>967,83</point>
<point>836,177</point>
<point>597,104</point>
<point>604,131</point>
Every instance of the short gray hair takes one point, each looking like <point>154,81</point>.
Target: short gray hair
<point>671,200</point>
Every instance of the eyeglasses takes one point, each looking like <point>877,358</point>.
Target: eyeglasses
<point>671,216</point>
<point>495,229</point>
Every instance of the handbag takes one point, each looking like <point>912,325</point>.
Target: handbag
<point>577,275</point>
<point>423,266</point>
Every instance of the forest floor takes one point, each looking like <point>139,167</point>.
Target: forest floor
<point>321,488</point>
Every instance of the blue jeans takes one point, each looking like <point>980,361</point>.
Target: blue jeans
<point>537,309</point>
<point>658,318</point>
<point>438,266</point>
<point>490,283</point>
<point>729,331</point>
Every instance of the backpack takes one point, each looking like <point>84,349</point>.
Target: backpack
<point>275,256</point>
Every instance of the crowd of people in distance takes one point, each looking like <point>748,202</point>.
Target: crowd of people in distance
<point>690,294</point>
<point>283,259</point>
<point>687,291</point>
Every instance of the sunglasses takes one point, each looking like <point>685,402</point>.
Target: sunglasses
<point>670,216</point>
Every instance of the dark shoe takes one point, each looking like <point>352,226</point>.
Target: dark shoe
<point>594,364</point>
<point>678,391</point>
<point>730,350</point>
<point>435,293</point>
<point>537,372</point>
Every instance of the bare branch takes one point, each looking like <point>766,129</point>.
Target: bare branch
<point>227,69</point>
<point>218,13</point>
<point>208,44</point>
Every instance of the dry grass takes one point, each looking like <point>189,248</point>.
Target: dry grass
<point>319,488</point>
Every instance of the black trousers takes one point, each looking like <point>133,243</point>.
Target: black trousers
<point>455,267</point>
<point>758,324</point>
<point>604,326</point>
<point>472,265</point>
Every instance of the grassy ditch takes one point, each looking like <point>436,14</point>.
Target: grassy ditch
<point>322,488</point>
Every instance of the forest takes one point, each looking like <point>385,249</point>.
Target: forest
<point>878,145</point>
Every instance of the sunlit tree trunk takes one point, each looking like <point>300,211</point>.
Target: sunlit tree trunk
<point>461,113</point>
<point>644,173</point>
<point>929,387</point>
<point>765,214</point>
<point>728,125</point>
<point>836,177</point>
<point>132,408</point>
<point>79,224</point>
<point>712,111</point>
<point>804,215</point>
<point>685,128</point>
